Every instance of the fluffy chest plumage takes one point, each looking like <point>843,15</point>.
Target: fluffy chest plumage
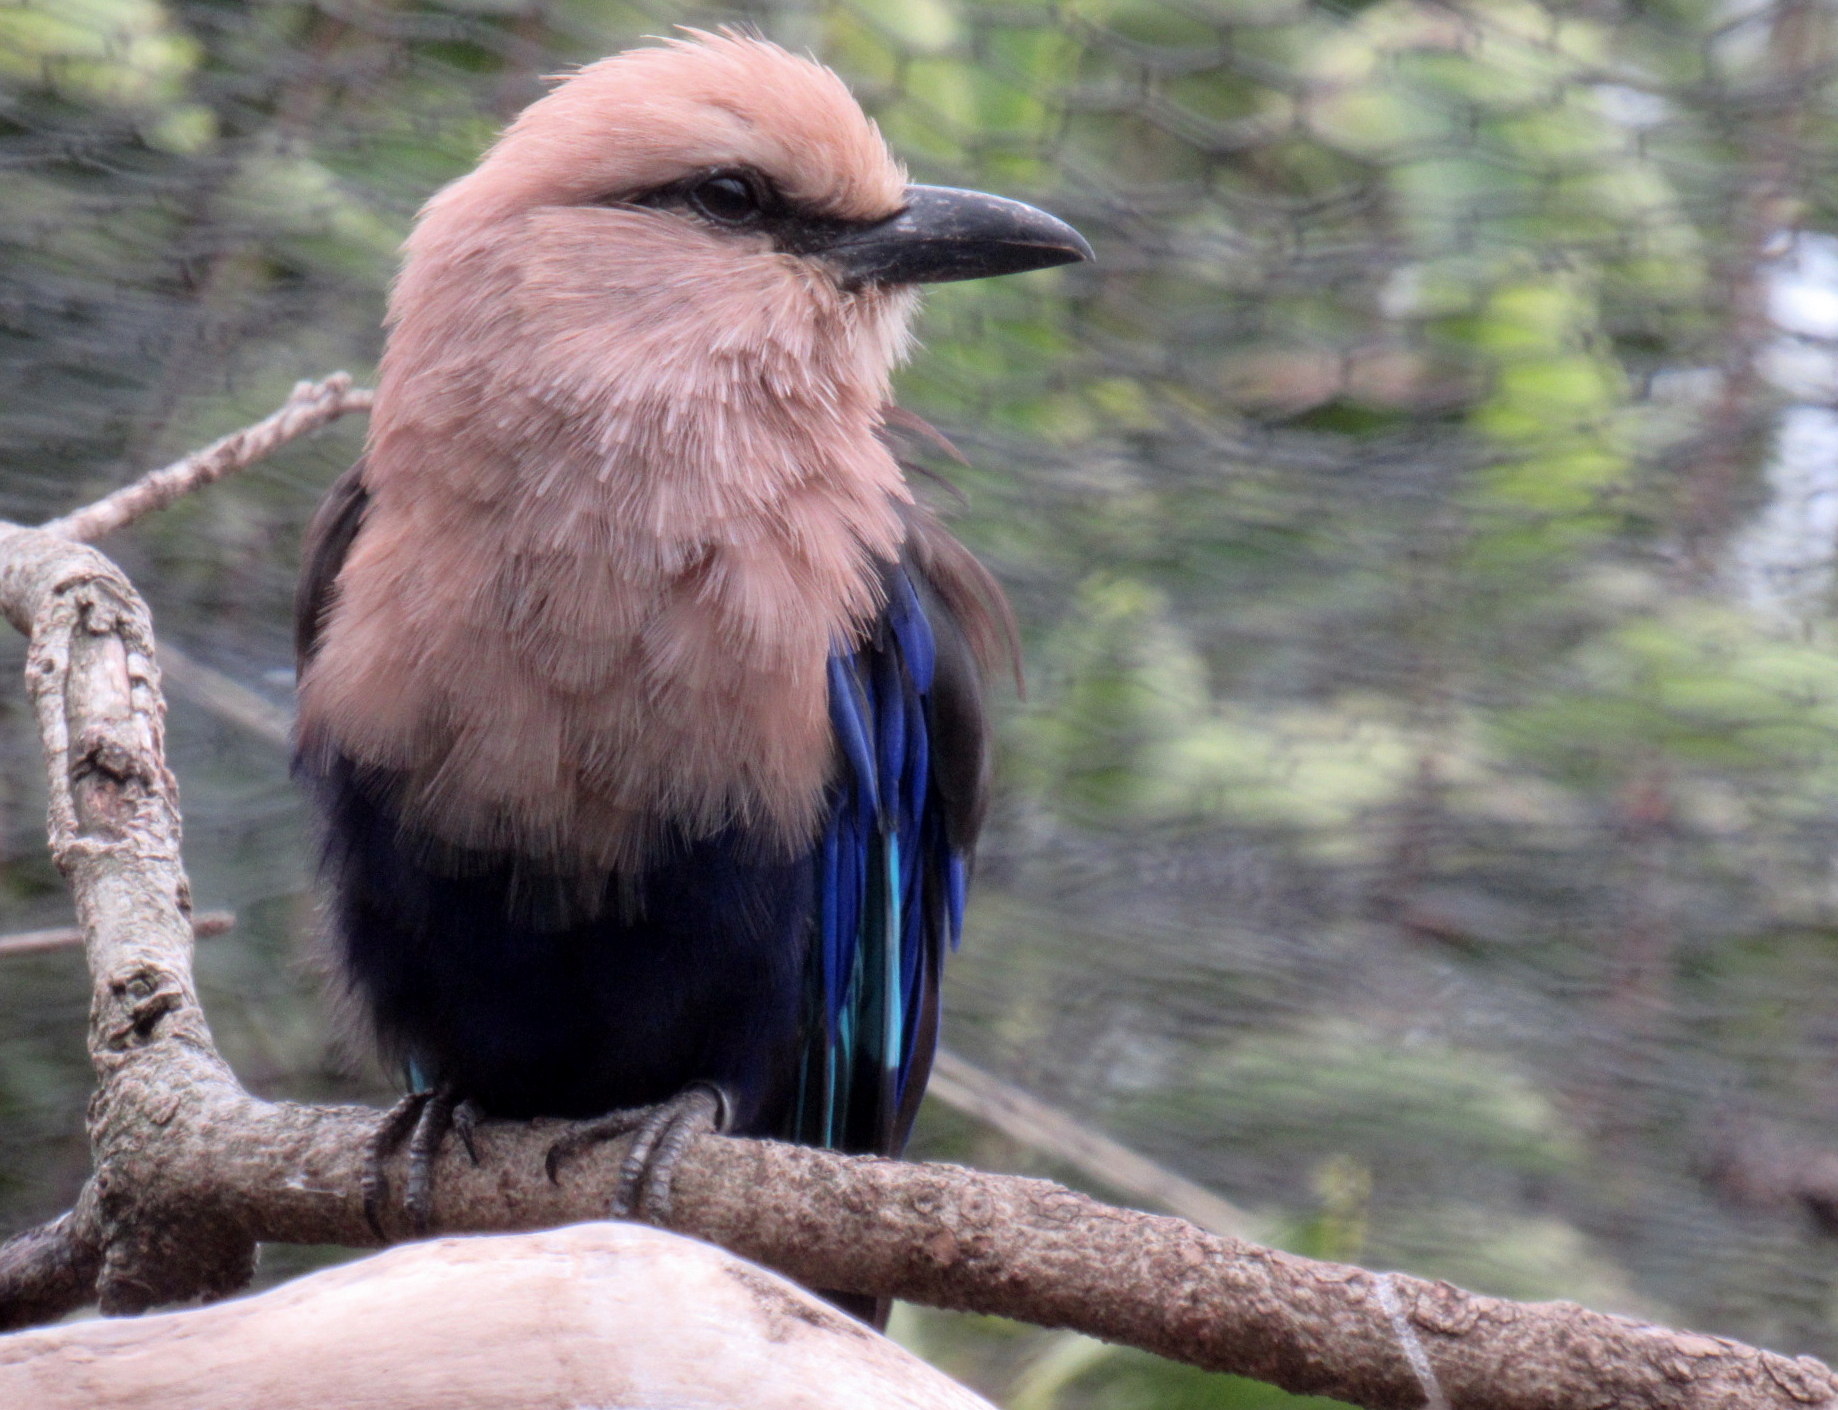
<point>555,674</point>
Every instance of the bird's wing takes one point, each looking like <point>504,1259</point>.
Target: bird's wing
<point>913,737</point>
<point>322,553</point>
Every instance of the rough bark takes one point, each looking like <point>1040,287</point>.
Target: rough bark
<point>51,1270</point>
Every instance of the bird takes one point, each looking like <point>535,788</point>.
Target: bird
<point>640,702</point>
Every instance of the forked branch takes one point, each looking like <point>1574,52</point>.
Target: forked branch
<point>191,1172</point>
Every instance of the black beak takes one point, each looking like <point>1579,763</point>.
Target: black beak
<point>945,234</point>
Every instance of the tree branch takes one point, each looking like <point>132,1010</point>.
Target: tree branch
<point>958,1083</point>
<point>192,1171</point>
<point>309,406</point>
<point>51,1270</point>
<point>69,937</point>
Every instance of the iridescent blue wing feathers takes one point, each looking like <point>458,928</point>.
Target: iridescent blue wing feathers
<point>893,865</point>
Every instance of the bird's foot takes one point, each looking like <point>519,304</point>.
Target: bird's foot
<point>421,1120</point>
<point>660,1136</point>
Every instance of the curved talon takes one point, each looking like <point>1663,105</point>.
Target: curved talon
<point>683,1129</point>
<point>602,1128</point>
<point>661,1135</point>
<point>648,1172</point>
<point>392,1130</point>
<point>466,1117</point>
<point>439,1114</point>
<point>629,1185</point>
<point>422,1120</point>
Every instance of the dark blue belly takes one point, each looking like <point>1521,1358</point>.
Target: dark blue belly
<point>538,995</point>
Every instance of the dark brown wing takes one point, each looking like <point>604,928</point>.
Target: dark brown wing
<point>957,716</point>
<point>322,553</point>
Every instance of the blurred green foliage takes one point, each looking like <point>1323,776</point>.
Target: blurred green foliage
<point>1420,825</point>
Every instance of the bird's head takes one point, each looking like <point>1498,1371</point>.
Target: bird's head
<point>696,217</point>
<point>625,489</point>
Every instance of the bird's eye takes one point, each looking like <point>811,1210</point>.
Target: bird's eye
<point>727,200</point>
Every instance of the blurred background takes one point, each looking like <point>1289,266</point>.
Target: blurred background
<point>1420,826</point>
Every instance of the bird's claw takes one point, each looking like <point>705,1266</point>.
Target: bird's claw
<point>388,1137</point>
<point>465,1126</point>
<point>421,1120</point>
<point>660,1134</point>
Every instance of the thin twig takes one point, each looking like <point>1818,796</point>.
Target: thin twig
<point>308,407</point>
<point>68,937</point>
<point>1035,1124</point>
<point>226,697</point>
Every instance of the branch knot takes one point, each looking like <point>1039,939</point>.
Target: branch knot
<point>144,998</point>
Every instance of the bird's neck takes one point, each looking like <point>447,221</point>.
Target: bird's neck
<point>684,408</point>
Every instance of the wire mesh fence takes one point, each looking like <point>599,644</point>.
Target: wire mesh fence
<point>1419,827</point>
